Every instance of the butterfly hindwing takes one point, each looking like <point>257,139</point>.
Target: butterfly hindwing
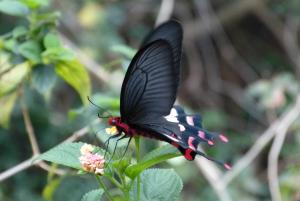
<point>193,120</point>
<point>191,133</point>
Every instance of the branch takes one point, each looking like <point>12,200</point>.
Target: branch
<point>28,163</point>
<point>273,163</point>
<point>165,11</point>
<point>279,125</point>
<point>235,61</point>
<point>233,11</point>
<point>286,34</point>
<point>213,176</point>
<point>30,130</point>
<point>16,169</point>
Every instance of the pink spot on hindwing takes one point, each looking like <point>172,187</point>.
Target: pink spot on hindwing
<point>190,143</point>
<point>201,134</point>
<point>223,138</point>
<point>210,142</point>
<point>190,120</point>
<point>227,167</point>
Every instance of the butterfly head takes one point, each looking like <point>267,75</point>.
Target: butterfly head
<point>113,121</point>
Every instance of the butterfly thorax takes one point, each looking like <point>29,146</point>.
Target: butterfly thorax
<point>131,130</point>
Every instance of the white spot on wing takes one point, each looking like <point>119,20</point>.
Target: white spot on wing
<point>181,127</point>
<point>190,120</point>
<point>173,112</point>
<point>171,119</point>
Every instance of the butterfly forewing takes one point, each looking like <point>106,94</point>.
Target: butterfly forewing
<point>171,32</point>
<point>149,88</point>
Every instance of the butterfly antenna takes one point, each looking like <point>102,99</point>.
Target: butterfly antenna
<point>103,109</point>
<point>103,117</point>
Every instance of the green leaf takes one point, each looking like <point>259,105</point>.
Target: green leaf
<point>10,44</point>
<point>64,154</point>
<point>30,50</point>
<point>7,104</point>
<point>154,157</point>
<point>14,8</point>
<point>12,76</point>
<point>157,185</point>
<point>51,40</point>
<point>94,195</point>
<point>1,43</point>
<point>43,79</point>
<point>34,4</point>
<point>19,31</point>
<point>76,75</point>
<point>55,54</point>
<point>124,50</point>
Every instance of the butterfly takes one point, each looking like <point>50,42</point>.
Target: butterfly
<point>148,94</point>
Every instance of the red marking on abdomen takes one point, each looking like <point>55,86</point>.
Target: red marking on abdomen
<point>175,144</point>
<point>131,132</point>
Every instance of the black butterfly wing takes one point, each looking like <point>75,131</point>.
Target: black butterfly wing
<point>172,32</point>
<point>149,88</point>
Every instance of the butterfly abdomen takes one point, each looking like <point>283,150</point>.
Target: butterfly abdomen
<point>132,131</point>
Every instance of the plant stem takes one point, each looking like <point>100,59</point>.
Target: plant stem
<point>102,185</point>
<point>137,147</point>
<point>115,182</point>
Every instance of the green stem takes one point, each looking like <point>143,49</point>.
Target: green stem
<point>102,185</point>
<point>125,187</point>
<point>137,147</point>
<point>115,182</point>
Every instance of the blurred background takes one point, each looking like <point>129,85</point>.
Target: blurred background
<point>240,71</point>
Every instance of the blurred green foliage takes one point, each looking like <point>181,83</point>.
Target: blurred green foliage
<point>38,70</point>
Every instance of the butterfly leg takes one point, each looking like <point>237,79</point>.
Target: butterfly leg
<point>124,136</point>
<point>126,147</point>
<point>106,143</point>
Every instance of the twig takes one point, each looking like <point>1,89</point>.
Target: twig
<point>213,176</point>
<point>30,130</point>
<point>286,34</point>
<point>165,11</point>
<point>227,50</point>
<point>238,96</point>
<point>233,11</point>
<point>283,122</point>
<point>208,49</point>
<point>16,169</point>
<point>290,39</point>
<point>273,159</point>
<point>28,163</point>
<point>33,142</point>
<point>273,163</point>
